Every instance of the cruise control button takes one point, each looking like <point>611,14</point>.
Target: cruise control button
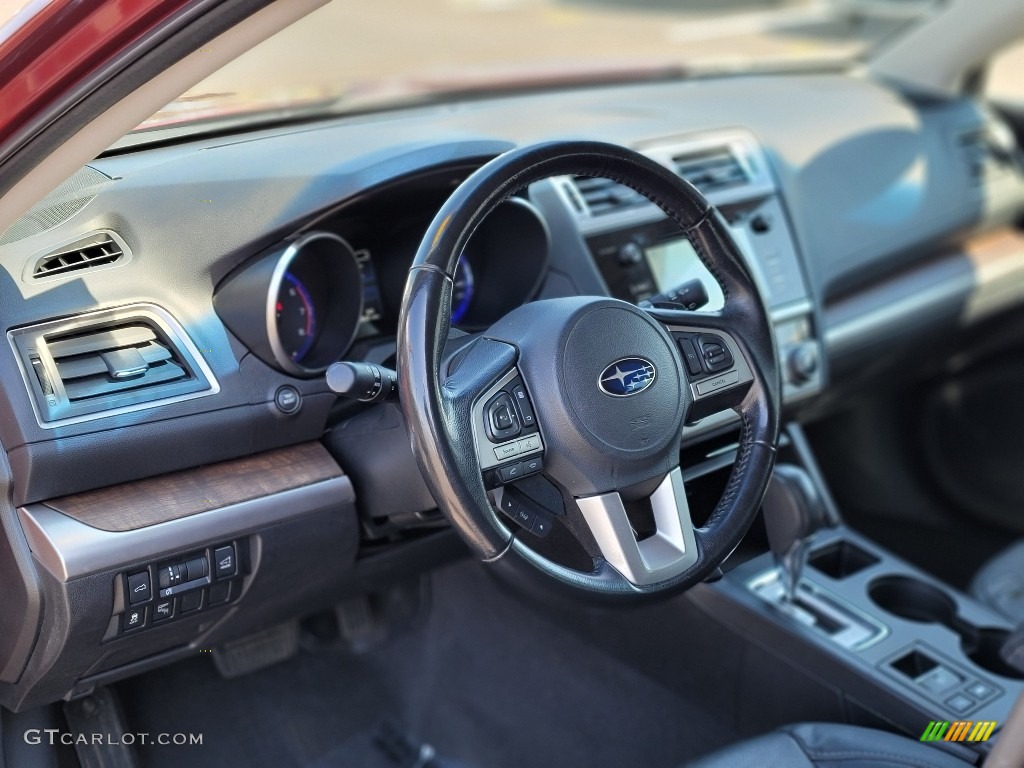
<point>139,588</point>
<point>224,561</point>
<point>718,382</point>
<point>507,451</point>
<point>531,443</point>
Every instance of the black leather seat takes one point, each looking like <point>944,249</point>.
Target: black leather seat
<point>829,745</point>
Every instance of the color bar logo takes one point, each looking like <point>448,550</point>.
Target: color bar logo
<point>959,730</point>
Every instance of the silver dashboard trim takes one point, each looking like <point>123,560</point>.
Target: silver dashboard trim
<point>70,549</point>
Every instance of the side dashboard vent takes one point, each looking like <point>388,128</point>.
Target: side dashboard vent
<point>712,171</point>
<point>602,196</point>
<point>988,151</point>
<point>117,359</point>
<point>113,360</point>
<point>101,249</point>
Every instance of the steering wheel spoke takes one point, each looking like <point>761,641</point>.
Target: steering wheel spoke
<point>662,555</point>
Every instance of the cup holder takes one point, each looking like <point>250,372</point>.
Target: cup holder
<point>912,600</point>
<point>919,601</point>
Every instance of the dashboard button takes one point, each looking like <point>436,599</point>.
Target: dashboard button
<point>224,561</point>
<point>139,587</point>
<point>219,593</point>
<point>169,575</point>
<point>191,601</point>
<point>163,610</point>
<point>134,618</point>
<point>196,568</point>
<point>287,399</point>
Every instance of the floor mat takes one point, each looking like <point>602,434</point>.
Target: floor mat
<point>485,680</point>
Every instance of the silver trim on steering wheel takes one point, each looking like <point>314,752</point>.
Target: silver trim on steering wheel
<point>666,554</point>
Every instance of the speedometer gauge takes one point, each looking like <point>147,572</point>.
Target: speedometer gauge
<point>462,290</point>
<point>296,318</point>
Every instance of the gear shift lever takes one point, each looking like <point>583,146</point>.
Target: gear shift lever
<point>793,512</point>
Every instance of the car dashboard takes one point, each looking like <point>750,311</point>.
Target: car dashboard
<point>170,313</point>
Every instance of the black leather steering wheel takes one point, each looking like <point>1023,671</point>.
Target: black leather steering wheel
<point>609,385</point>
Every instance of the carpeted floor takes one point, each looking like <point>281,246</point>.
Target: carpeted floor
<point>484,679</point>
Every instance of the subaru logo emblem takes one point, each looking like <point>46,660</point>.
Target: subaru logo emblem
<point>627,376</point>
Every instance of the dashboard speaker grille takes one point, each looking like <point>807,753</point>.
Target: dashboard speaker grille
<point>58,206</point>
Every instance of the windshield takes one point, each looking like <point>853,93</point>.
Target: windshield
<point>360,54</point>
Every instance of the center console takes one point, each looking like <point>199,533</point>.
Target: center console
<point>894,645</point>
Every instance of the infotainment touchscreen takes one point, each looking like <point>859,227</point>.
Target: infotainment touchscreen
<point>674,262</point>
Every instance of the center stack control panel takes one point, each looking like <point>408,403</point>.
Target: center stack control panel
<point>644,257</point>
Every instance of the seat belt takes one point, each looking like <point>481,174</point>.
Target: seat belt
<point>1008,751</point>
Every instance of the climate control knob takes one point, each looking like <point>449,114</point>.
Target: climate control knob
<point>802,362</point>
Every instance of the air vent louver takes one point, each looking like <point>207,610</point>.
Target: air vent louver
<point>107,362</point>
<point>95,251</point>
<point>603,196</point>
<point>986,151</point>
<point>711,171</point>
<point>126,357</point>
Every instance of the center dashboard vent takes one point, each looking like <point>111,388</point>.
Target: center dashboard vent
<point>99,249</point>
<point>988,150</point>
<point>113,360</point>
<point>599,196</point>
<point>712,170</point>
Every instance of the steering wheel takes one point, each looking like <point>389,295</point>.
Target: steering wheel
<point>592,391</point>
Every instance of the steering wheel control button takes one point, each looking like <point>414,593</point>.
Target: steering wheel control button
<point>140,590</point>
<point>531,466</point>
<point>134,618</point>
<point>716,383</point>
<point>507,451</point>
<point>511,472</point>
<point>530,444</point>
<point>502,422</point>
<point>224,562</point>
<point>523,406</point>
<point>690,356</point>
<point>541,525</point>
<point>288,400</point>
<point>714,353</point>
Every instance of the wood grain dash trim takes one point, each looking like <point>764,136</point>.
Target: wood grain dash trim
<point>156,500</point>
